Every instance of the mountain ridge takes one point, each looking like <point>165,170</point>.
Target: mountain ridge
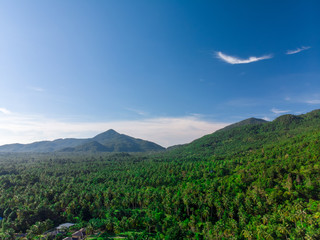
<point>255,133</point>
<point>110,141</point>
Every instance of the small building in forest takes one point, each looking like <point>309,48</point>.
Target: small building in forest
<point>60,229</point>
<point>64,226</point>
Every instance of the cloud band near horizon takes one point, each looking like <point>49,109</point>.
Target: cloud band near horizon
<point>235,60</point>
<point>5,111</point>
<point>166,131</point>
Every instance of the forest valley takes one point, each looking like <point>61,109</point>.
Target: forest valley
<point>251,180</point>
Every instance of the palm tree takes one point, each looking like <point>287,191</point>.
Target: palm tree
<point>6,232</point>
<point>206,214</point>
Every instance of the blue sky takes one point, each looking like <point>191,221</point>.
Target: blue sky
<point>167,71</point>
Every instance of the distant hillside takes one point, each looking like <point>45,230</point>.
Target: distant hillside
<point>122,143</point>
<point>43,146</point>
<point>109,141</point>
<point>250,134</point>
<point>88,147</point>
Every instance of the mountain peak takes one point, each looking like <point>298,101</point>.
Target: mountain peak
<point>107,134</point>
<point>249,121</point>
<point>110,131</point>
<point>288,119</point>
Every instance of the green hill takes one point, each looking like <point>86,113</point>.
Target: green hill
<point>42,146</point>
<point>122,143</point>
<point>251,134</point>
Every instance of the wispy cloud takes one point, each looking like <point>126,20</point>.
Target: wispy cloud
<point>243,102</point>
<point>137,111</point>
<point>278,111</point>
<point>314,101</point>
<point>37,89</point>
<point>166,131</point>
<point>289,52</point>
<point>5,111</point>
<point>236,60</point>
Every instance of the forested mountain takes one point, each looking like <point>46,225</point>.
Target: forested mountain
<point>109,141</point>
<point>251,181</point>
<point>251,134</point>
<point>42,146</point>
<point>122,143</point>
<point>249,121</point>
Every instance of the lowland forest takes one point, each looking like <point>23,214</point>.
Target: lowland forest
<point>251,180</point>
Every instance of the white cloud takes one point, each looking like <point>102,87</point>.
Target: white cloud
<point>314,101</point>
<point>243,102</point>
<point>167,131</point>
<point>277,111</point>
<point>37,89</point>
<point>137,111</point>
<point>5,111</point>
<point>235,60</point>
<point>289,52</point>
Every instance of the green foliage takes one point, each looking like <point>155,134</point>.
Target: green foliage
<point>253,181</point>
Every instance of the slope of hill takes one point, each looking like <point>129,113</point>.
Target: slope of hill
<point>109,141</point>
<point>250,134</point>
<point>42,146</point>
<point>89,147</point>
<point>249,121</point>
